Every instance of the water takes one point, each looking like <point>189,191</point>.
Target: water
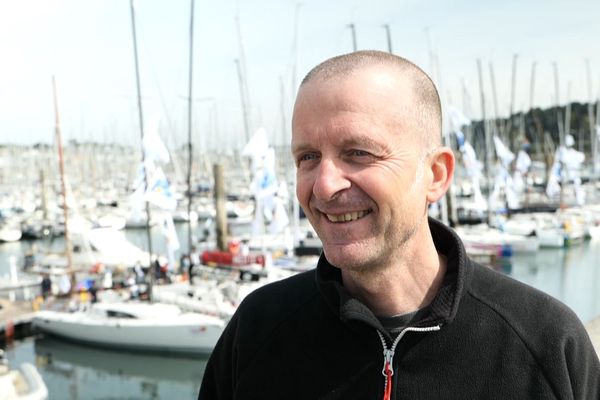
<point>571,275</point>
<point>72,371</point>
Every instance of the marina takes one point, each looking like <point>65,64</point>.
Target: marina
<point>147,182</point>
<point>73,370</point>
<point>127,270</point>
<point>110,294</point>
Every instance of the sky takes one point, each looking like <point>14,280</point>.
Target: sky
<point>87,46</point>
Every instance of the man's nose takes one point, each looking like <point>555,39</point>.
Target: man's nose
<point>331,179</point>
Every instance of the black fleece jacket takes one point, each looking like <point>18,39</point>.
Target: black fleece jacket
<point>489,337</point>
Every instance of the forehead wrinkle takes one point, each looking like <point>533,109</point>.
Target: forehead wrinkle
<point>350,129</point>
<point>389,110</point>
<point>391,104</point>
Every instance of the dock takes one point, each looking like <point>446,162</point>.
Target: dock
<point>15,319</point>
<point>593,329</point>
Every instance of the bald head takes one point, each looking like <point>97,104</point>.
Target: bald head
<point>426,108</point>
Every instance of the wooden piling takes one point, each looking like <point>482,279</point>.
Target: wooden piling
<point>221,211</point>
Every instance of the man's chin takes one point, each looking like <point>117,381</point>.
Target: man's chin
<point>345,255</point>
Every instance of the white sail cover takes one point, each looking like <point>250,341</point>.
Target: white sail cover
<point>265,187</point>
<point>567,165</point>
<point>503,179</point>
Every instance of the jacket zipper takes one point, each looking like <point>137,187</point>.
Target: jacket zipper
<point>388,356</point>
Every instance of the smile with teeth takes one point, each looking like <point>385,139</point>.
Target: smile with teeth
<point>347,217</point>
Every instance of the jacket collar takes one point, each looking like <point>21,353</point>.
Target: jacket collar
<point>442,309</point>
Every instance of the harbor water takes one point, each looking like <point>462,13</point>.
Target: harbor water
<point>74,371</point>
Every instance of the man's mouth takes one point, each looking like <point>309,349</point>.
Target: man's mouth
<point>347,217</point>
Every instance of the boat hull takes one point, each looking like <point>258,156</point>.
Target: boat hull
<point>194,334</point>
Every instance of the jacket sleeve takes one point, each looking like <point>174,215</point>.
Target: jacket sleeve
<point>567,357</point>
<point>218,382</point>
<point>583,366</point>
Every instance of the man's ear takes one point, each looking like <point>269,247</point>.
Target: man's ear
<point>441,169</point>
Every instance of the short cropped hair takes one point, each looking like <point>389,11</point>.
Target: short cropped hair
<point>428,109</point>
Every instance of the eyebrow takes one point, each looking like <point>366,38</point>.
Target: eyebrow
<point>301,148</point>
<point>362,140</point>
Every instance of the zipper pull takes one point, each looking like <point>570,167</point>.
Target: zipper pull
<point>388,371</point>
<point>388,357</point>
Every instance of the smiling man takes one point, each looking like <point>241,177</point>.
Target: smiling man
<point>369,162</point>
<point>395,309</point>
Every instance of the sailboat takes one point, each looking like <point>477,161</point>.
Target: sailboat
<point>487,239</point>
<point>22,383</point>
<point>135,326</point>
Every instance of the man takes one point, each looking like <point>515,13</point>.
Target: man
<point>194,261</point>
<point>46,286</point>
<point>395,309</point>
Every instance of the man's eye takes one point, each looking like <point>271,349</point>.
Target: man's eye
<point>306,157</point>
<point>359,153</point>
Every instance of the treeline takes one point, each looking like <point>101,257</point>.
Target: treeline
<point>542,129</point>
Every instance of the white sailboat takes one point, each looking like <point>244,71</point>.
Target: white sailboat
<point>10,231</point>
<point>135,326</point>
<point>22,383</point>
<point>499,243</point>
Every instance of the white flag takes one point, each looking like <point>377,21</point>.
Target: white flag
<point>457,119</point>
<point>171,238</point>
<point>159,191</point>
<point>258,145</point>
<point>154,148</point>
<point>504,154</point>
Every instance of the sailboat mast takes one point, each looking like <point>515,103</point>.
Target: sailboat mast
<point>568,110</point>
<point>488,145</point>
<point>295,204</point>
<point>63,186</point>
<point>44,199</point>
<point>141,121</point>
<point>353,33</point>
<point>189,146</point>
<point>595,155</point>
<point>511,110</point>
<point>561,132</point>
<point>532,85</point>
<point>295,48</point>
<point>539,143</point>
<point>243,98</point>
<point>242,76</point>
<point>494,102</point>
<point>284,134</point>
<point>388,36</point>
<point>593,140</point>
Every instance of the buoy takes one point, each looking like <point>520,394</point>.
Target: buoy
<point>37,303</point>
<point>9,332</point>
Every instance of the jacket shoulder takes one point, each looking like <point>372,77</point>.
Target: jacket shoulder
<point>519,304</point>
<point>528,310</point>
<point>265,310</point>
<point>253,327</point>
<point>550,331</point>
<point>280,297</point>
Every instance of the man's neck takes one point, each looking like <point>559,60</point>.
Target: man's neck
<point>408,285</point>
